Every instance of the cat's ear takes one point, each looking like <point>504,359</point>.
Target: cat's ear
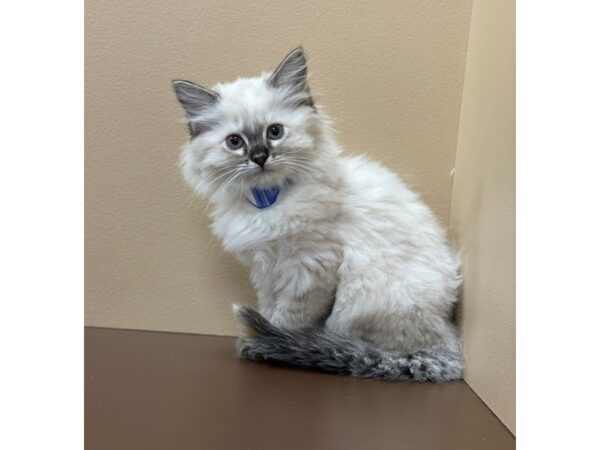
<point>195,101</point>
<point>292,75</point>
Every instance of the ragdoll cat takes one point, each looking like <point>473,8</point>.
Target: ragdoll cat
<point>352,271</point>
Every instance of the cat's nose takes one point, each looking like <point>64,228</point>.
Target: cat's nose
<point>260,158</point>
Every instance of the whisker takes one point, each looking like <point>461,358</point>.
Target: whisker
<point>241,192</point>
<point>301,170</point>
<point>222,188</point>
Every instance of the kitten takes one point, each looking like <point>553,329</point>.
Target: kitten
<point>352,272</point>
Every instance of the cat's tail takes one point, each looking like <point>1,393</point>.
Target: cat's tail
<point>320,349</point>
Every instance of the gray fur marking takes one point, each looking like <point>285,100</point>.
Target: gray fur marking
<point>292,75</point>
<point>257,143</point>
<point>195,100</point>
<point>320,349</point>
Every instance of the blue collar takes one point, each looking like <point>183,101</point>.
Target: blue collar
<point>265,197</point>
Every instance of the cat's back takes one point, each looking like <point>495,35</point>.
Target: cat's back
<point>391,231</point>
<point>375,192</point>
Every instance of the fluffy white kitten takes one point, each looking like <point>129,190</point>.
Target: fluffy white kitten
<point>352,271</point>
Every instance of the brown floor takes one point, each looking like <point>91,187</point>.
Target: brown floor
<point>168,391</point>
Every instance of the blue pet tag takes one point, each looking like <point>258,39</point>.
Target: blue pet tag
<point>265,197</point>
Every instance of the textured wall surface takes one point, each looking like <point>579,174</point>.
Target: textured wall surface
<point>389,72</point>
<point>483,206</point>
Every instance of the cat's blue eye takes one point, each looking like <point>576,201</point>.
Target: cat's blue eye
<point>234,142</point>
<point>275,131</point>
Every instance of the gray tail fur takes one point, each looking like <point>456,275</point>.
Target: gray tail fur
<point>320,349</point>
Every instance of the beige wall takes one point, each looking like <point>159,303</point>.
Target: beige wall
<point>389,72</point>
<point>483,206</point>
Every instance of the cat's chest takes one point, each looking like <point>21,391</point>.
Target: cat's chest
<point>290,249</point>
<point>291,263</point>
<point>275,230</point>
<point>302,223</point>
<point>262,233</point>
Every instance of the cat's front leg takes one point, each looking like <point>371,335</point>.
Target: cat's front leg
<point>308,309</point>
<point>298,290</point>
<point>266,301</point>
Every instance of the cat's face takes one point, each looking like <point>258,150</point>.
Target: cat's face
<point>254,132</point>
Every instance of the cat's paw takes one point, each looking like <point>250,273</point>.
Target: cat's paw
<point>243,347</point>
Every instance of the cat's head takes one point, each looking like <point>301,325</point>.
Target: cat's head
<point>253,132</point>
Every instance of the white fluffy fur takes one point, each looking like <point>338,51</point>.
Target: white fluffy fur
<point>347,242</point>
